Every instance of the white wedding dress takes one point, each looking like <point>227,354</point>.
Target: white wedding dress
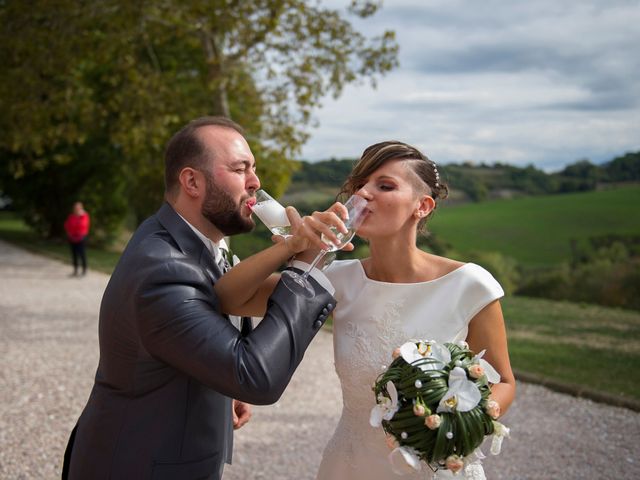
<point>370,320</point>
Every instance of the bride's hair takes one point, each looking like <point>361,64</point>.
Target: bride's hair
<point>426,176</point>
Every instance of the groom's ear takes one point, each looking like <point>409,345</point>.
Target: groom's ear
<point>191,182</point>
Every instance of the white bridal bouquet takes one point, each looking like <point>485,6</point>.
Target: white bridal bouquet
<point>433,404</point>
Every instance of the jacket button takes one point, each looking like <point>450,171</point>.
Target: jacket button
<point>325,311</point>
<point>330,306</point>
<point>317,324</point>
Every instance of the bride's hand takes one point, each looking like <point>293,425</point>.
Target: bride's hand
<point>306,231</point>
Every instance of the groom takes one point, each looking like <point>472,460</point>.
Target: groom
<point>174,372</point>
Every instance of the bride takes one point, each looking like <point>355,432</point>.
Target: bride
<point>398,293</point>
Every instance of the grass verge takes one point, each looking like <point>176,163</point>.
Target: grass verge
<point>14,230</point>
<point>576,344</point>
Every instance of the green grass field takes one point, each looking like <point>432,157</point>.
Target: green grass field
<point>536,231</point>
<point>596,347</point>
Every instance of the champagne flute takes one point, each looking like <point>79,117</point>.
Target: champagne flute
<point>271,213</point>
<point>356,208</point>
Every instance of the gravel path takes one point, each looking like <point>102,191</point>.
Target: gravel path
<point>48,350</point>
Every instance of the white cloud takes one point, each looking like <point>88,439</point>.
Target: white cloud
<point>520,82</point>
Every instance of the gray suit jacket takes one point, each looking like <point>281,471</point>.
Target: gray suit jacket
<point>170,362</point>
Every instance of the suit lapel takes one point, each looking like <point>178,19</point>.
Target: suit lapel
<point>209,264</point>
<point>187,241</point>
<point>189,244</point>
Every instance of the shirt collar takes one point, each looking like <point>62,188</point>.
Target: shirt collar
<point>214,248</point>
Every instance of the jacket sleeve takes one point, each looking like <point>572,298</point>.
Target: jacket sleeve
<point>180,324</point>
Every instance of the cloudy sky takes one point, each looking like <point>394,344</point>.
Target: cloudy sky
<point>544,82</point>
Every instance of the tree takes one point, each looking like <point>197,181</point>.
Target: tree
<point>578,177</point>
<point>125,75</point>
<point>623,169</point>
<point>582,169</point>
<point>531,180</point>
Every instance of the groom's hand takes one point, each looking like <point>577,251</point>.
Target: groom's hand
<point>241,413</point>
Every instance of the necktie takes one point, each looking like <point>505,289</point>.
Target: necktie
<point>223,264</point>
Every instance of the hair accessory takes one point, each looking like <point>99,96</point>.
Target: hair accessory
<point>437,175</point>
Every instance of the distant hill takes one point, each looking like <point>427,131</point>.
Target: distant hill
<point>537,231</point>
<point>326,172</point>
<point>471,182</point>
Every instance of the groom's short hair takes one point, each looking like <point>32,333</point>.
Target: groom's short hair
<point>186,149</point>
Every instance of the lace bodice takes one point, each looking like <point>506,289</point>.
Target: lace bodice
<point>371,319</point>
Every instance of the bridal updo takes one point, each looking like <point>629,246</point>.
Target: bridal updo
<point>426,178</point>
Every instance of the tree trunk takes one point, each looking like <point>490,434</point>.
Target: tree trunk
<point>216,75</point>
<point>220,102</point>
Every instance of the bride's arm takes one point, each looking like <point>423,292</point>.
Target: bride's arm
<point>487,331</point>
<point>246,288</point>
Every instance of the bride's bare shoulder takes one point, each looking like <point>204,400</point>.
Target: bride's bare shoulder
<point>442,265</point>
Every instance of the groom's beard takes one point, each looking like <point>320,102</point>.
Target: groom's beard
<point>220,209</point>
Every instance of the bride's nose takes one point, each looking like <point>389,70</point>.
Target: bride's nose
<point>364,193</point>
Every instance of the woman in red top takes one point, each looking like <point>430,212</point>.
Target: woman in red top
<point>77,227</point>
